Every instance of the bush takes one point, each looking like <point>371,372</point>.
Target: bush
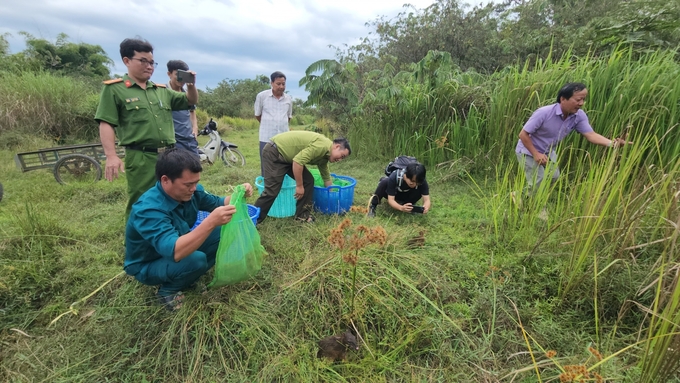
<point>302,119</point>
<point>235,123</point>
<point>328,128</point>
<point>202,117</point>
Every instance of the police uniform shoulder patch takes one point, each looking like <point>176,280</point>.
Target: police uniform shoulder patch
<point>161,85</point>
<point>113,81</point>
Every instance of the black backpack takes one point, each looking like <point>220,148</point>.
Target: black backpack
<point>399,163</point>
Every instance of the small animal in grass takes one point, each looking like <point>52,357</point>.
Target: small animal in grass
<point>335,346</point>
<point>417,241</point>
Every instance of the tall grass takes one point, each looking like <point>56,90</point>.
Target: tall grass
<point>612,211</point>
<point>624,95</point>
<point>480,117</point>
<point>238,124</point>
<point>48,105</point>
<point>659,356</point>
<point>422,121</point>
<point>226,123</point>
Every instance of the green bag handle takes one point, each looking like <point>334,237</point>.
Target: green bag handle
<point>238,196</point>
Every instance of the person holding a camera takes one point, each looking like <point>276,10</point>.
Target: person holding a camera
<point>403,188</point>
<point>186,125</point>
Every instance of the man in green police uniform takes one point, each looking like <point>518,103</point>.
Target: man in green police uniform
<point>139,113</point>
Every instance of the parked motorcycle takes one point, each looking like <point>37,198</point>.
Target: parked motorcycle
<point>217,148</point>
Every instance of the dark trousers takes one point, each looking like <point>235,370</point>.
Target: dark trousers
<point>275,169</point>
<point>400,198</point>
<point>262,144</point>
<point>177,276</point>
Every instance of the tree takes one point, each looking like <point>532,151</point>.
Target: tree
<point>14,63</point>
<point>492,36</point>
<point>66,57</point>
<point>451,38</point>
<point>335,89</point>
<point>646,25</point>
<point>538,28</point>
<point>470,36</point>
<point>234,98</point>
<point>4,45</point>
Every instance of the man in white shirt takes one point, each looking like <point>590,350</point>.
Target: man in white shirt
<point>273,109</point>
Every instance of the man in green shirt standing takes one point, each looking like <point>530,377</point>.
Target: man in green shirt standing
<point>139,113</point>
<point>288,153</point>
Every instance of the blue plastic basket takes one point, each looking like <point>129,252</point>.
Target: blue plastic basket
<point>253,213</point>
<point>335,199</point>
<point>200,217</point>
<point>284,204</point>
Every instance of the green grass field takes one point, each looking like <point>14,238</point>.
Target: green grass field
<point>466,306</point>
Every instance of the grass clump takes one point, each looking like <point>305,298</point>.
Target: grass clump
<point>60,108</point>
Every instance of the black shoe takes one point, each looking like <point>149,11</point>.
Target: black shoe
<point>371,211</point>
<point>372,204</point>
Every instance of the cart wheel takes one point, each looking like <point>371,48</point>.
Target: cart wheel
<point>77,168</point>
<point>232,157</point>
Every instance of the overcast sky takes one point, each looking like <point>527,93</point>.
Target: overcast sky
<point>219,39</point>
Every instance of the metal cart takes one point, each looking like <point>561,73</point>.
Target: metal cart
<point>69,164</point>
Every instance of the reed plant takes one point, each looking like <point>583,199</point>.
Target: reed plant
<point>423,121</point>
<point>352,241</point>
<point>660,361</point>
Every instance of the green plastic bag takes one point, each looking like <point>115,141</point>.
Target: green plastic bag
<point>318,181</point>
<point>340,182</point>
<point>239,255</point>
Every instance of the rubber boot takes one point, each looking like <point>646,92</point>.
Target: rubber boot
<point>372,204</point>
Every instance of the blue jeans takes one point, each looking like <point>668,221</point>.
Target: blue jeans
<point>177,276</point>
<point>189,144</point>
